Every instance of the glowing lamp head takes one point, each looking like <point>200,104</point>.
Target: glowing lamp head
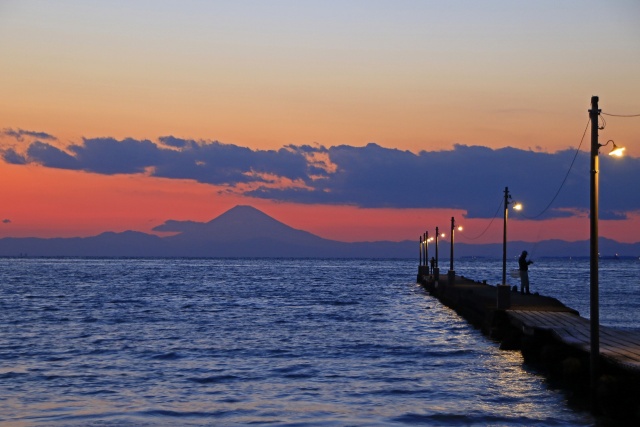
<point>517,206</point>
<point>617,151</point>
<point>459,228</point>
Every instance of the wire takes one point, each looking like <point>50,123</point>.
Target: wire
<point>537,242</point>
<point>621,115</point>
<point>565,177</point>
<point>485,230</point>
<point>604,122</point>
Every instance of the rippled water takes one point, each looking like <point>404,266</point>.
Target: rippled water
<point>238,342</point>
<point>567,279</point>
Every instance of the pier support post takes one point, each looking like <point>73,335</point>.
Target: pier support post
<point>423,273</point>
<point>451,278</point>
<point>503,297</point>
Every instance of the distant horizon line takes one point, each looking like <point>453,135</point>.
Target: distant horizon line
<point>463,257</point>
<point>443,242</point>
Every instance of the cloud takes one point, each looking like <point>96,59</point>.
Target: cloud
<point>110,156</point>
<point>6,221</point>
<point>20,134</point>
<point>50,156</point>
<point>14,141</point>
<point>12,157</point>
<point>470,178</point>
<point>172,141</point>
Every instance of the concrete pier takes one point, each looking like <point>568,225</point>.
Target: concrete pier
<point>553,338</point>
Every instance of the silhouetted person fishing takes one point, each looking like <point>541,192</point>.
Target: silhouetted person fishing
<point>523,266</point>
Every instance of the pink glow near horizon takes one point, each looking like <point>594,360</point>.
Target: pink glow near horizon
<point>58,203</point>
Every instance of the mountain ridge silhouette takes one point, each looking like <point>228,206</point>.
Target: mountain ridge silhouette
<point>244,231</point>
<point>242,222</point>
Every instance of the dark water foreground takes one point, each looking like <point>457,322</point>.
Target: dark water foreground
<point>240,342</point>
<point>554,339</point>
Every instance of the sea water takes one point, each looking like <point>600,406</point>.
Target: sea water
<point>568,279</point>
<point>284,342</point>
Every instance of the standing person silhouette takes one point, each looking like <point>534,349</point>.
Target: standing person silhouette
<point>433,264</point>
<point>523,264</point>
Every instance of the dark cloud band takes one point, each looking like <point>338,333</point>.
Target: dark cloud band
<point>470,178</point>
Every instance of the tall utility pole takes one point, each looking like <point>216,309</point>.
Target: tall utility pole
<point>504,235</point>
<point>451,275</point>
<point>436,268</point>
<point>437,235</point>
<point>503,290</point>
<point>593,255</point>
<point>453,223</point>
<point>426,247</point>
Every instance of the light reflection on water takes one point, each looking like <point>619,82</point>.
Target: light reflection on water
<point>235,342</point>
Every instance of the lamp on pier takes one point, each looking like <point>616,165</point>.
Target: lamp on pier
<point>436,270</point>
<point>423,241</point>
<point>504,296</point>
<point>615,150</point>
<point>452,274</point>
<point>594,320</point>
<point>427,239</point>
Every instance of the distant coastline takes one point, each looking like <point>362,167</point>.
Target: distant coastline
<point>246,232</point>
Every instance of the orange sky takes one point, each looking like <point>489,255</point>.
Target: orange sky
<point>424,76</point>
<point>413,76</point>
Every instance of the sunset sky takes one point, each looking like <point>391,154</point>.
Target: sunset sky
<point>354,120</point>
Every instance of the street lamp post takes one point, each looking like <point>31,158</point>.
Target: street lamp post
<point>426,249</point>
<point>452,273</point>
<point>507,196</point>
<point>436,269</point>
<point>453,221</point>
<point>594,303</point>
<point>437,233</point>
<point>504,297</point>
<point>593,253</point>
<point>423,268</point>
<point>517,206</point>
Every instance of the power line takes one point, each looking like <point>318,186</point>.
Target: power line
<point>485,230</point>
<point>565,177</point>
<point>563,181</point>
<point>621,115</point>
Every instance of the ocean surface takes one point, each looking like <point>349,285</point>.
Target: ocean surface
<point>285,342</point>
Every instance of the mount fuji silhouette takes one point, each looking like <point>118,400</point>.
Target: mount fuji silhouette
<point>241,223</point>
<point>242,231</point>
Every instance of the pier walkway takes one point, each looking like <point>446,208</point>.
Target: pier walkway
<point>616,346</point>
<point>551,336</point>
